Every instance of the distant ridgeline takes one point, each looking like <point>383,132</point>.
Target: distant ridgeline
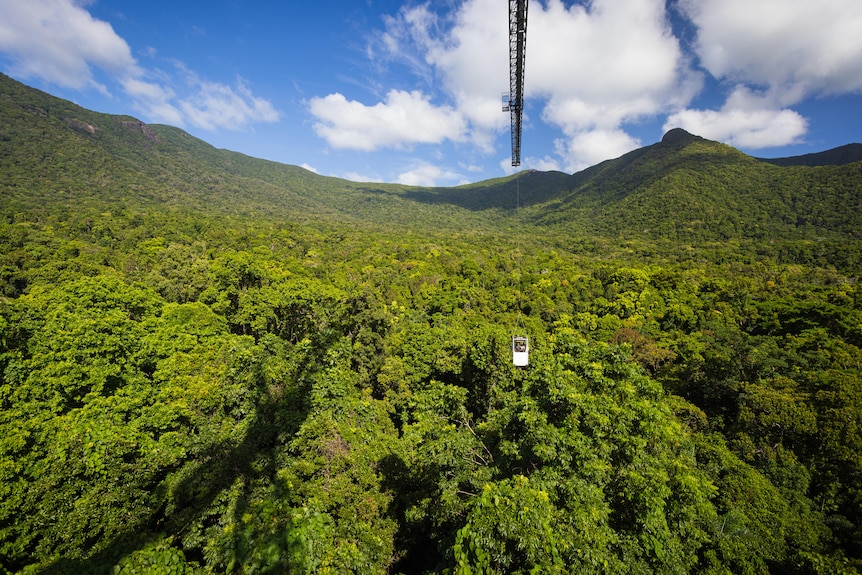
<point>211,363</point>
<point>835,157</point>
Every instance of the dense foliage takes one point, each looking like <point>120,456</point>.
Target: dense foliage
<point>213,364</point>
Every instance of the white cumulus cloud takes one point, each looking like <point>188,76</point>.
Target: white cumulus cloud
<point>461,56</point>
<point>153,100</point>
<point>775,54</point>
<point>606,63</point>
<point>213,105</point>
<point>797,47</point>
<point>746,120</point>
<point>60,42</point>
<point>428,175</point>
<point>403,119</point>
<point>589,147</point>
<point>360,177</point>
<point>472,59</point>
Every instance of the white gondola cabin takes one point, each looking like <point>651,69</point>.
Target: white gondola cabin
<point>520,351</point>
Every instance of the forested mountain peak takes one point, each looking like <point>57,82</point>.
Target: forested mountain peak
<point>688,187</point>
<point>678,136</point>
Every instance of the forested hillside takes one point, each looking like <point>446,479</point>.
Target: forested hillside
<point>211,363</point>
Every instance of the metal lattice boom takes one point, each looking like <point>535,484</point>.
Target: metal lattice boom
<point>514,103</point>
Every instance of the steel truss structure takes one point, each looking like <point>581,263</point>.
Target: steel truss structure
<point>513,102</point>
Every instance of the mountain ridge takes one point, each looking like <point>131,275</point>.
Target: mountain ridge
<point>846,154</point>
<point>683,186</point>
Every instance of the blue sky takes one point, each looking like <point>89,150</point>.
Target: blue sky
<point>410,92</point>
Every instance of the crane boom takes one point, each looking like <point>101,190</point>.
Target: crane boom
<point>517,55</point>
